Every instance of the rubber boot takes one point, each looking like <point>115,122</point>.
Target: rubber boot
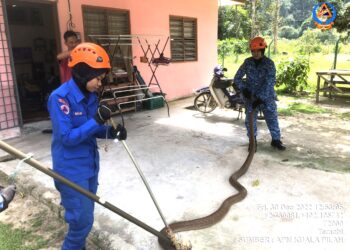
<point>278,144</point>
<point>8,194</point>
<point>256,145</point>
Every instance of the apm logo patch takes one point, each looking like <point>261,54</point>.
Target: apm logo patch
<point>324,15</point>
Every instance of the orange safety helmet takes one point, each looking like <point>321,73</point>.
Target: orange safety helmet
<point>92,54</point>
<point>257,43</point>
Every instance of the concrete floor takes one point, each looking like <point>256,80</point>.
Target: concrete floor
<point>187,160</point>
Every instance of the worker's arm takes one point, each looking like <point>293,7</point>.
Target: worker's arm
<point>63,55</point>
<point>62,122</point>
<point>238,79</point>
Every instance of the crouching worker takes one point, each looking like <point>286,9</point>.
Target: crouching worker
<point>77,120</point>
<point>259,90</point>
<point>6,196</point>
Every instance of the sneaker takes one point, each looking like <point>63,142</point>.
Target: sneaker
<point>278,144</point>
<point>256,145</point>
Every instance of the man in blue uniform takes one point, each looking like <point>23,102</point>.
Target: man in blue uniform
<point>77,120</point>
<point>258,89</point>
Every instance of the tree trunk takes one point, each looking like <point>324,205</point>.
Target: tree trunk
<point>275,26</point>
<point>254,27</point>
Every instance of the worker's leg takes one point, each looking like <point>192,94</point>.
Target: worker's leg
<point>79,213</point>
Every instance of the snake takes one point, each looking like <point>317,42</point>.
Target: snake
<point>219,214</point>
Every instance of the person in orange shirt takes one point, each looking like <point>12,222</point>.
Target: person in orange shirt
<point>71,41</point>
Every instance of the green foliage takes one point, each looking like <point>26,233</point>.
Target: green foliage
<point>233,23</point>
<point>231,46</point>
<point>240,46</point>
<point>297,14</point>
<point>307,24</point>
<point>309,42</point>
<point>19,239</point>
<point>301,108</point>
<point>225,49</point>
<point>285,112</point>
<point>345,116</point>
<point>293,74</point>
<point>289,32</point>
<point>342,22</point>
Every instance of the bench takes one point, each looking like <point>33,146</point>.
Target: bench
<point>335,81</point>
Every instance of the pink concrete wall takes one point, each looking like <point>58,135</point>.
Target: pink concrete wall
<point>152,17</point>
<point>9,119</point>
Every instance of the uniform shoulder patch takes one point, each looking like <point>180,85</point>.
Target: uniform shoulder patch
<point>65,108</point>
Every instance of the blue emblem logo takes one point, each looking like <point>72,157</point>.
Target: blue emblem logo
<point>324,15</point>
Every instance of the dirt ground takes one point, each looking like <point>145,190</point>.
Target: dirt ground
<point>305,185</point>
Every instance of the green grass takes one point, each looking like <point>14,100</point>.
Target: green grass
<point>345,116</point>
<point>19,239</point>
<point>301,108</point>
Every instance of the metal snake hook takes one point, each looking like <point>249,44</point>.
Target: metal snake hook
<point>141,175</point>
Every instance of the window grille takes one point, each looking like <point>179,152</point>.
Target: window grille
<point>183,34</point>
<point>103,21</point>
<point>8,98</point>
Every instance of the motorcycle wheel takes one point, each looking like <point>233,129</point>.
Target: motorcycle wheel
<point>205,102</point>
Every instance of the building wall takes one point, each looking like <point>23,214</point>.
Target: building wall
<point>151,17</point>
<point>9,118</point>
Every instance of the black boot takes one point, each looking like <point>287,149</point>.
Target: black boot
<point>8,194</point>
<point>256,145</point>
<point>278,144</point>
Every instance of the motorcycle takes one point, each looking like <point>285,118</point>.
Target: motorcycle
<point>221,92</point>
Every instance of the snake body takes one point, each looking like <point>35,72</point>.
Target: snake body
<point>220,213</point>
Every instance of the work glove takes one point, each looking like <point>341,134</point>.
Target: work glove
<point>246,93</point>
<point>119,133</point>
<point>103,114</point>
<point>256,103</point>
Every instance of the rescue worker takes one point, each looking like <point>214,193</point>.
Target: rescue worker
<point>258,89</point>
<point>6,196</point>
<point>77,120</point>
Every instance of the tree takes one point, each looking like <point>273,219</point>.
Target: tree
<point>289,32</point>
<point>342,22</point>
<point>275,25</point>
<point>233,22</point>
<point>254,31</point>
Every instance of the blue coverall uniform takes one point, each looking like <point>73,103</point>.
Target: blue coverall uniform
<point>260,81</point>
<point>75,156</point>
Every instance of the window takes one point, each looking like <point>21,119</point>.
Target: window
<point>102,21</point>
<point>183,34</point>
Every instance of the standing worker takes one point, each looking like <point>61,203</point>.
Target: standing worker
<point>258,89</point>
<point>77,120</point>
<point>71,41</point>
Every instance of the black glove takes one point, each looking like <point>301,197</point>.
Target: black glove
<point>246,93</point>
<point>119,133</point>
<point>256,103</point>
<point>103,114</point>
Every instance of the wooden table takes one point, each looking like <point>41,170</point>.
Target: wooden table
<point>332,78</point>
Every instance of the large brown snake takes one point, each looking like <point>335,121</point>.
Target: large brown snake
<point>220,213</point>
